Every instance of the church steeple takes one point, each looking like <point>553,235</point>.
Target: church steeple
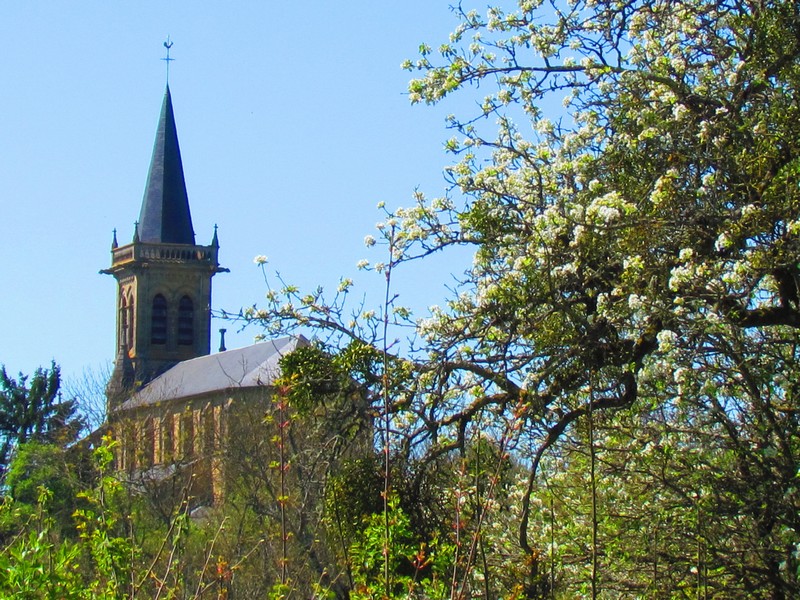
<point>165,215</point>
<point>163,277</point>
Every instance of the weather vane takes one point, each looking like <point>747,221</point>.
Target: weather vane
<point>168,45</point>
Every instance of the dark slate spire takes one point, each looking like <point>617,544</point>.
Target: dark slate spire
<point>165,216</point>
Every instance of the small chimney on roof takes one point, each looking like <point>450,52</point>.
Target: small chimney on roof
<point>222,347</point>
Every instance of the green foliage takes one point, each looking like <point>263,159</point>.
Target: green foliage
<point>101,530</point>
<point>315,375</point>
<point>352,494</point>
<point>34,411</point>
<point>36,467</point>
<point>37,566</point>
<point>418,570</point>
<point>312,375</point>
<point>38,562</point>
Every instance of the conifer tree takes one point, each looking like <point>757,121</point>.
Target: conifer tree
<point>32,409</point>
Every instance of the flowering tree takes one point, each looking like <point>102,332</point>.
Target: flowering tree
<point>634,248</point>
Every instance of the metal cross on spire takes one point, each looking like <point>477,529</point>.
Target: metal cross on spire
<point>168,45</point>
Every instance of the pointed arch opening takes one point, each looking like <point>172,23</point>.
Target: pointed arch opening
<point>158,324</point>
<point>123,321</point>
<point>185,322</point>
<point>130,323</point>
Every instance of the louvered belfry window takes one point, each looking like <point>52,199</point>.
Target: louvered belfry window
<point>158,327</point>
<point>185,322</point>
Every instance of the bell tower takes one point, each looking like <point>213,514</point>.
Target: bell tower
<point>163,277</point>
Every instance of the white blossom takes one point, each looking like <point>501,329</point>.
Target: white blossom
<point>666,340</point>
<point>723,242</point>
<point>679,112</point>
<point>635,302</point>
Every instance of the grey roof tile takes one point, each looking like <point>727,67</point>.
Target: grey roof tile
<point>252,366</point>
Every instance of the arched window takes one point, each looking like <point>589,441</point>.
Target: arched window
<point>185,322</point>
<point>158,325</point>
<point>123,321</point>
<point>130,323</point>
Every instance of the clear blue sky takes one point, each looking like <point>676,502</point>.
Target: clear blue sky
<point>293,124</point>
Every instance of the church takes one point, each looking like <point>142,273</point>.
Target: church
<point>171,404</point>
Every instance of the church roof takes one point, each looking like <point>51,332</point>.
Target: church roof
<point>165,216</point>
<point>252,366</point>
